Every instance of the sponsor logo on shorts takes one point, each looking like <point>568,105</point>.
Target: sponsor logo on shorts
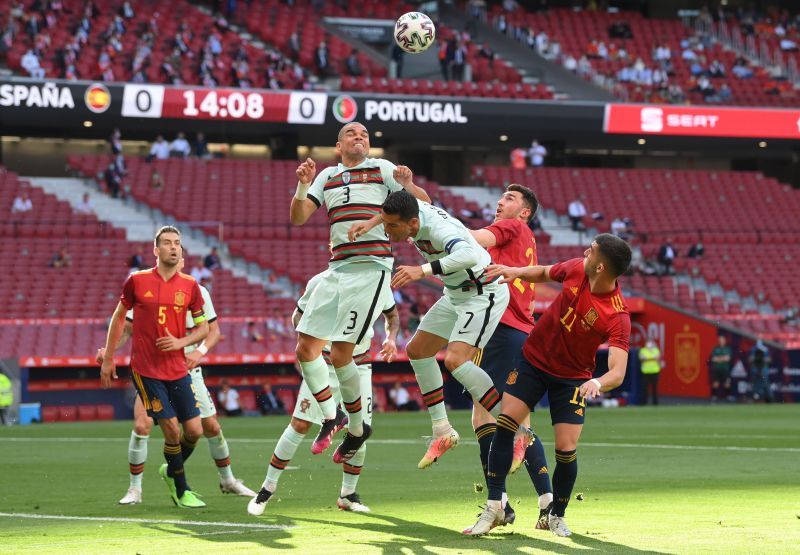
<point>156,404</point>
<point>512,377</point>
<point>305,404</point>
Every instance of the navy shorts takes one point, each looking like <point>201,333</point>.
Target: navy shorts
<point>165,399</point>
<point>529,384</point>
<point>501,353</point>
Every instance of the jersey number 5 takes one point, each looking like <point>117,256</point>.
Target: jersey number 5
<point>162,315</point>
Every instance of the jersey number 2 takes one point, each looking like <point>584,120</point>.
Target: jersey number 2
<point>518,283</point>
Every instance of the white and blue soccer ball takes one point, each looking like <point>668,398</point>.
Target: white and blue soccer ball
<point>414,32</point>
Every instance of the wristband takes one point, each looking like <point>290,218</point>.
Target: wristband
<point>597,383</point>
<point>202,348</point>
<point>427,270</point>
<point>302,191</point>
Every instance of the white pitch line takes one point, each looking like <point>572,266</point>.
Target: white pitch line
<point>152,521</point>
<point>421,442</point>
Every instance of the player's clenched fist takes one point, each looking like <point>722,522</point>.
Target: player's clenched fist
<point>108,370</point>
<point>306,171</point>
<point>403,175</point>
<point>406,274</point>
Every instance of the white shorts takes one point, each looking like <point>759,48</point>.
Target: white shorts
<point>469,319</point>
<point>306,408</point>
<point>346,304</point>
<point>207,408</point>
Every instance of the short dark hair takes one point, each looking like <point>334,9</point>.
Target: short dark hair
<point>402,203</point>
<point>165,229</point>
<point>615,251</point>
<point>528,196</point>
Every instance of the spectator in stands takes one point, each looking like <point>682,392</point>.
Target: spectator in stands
<point>268,402</point>
<point>760,386</point>
<point>115,142</point>
<point>251,333</point>
<point>200,272</point>
<point>704,87</point>
<point>294,46</point>
<point>651,363</point>
<point>30,63</point>
<point>126,11</point>
<point>322,59</point>
<point>536,154</point>
<point>720,363</point>
<point>518,156</point>
<point>697,250</point>
<point>620,30</point>
<point>61,259</point>
<point>22,203</point>
<point>488,213</point>
<point>201,146</point>
<point>351,64</point>
<point>180,148</point>
<point>459,61</point>
<point>398,57</point>
<point>619,228</point>
<point>228,398</point>
<point>156,181</point>
<point>159,150</point>
<point>401,399</point>
<point>741,70</point>
<point>666,257</point>
<point>723,95</point>
<point>570,63</point>
<point>446,51</point>
<point>487,53</point>
<point>716,69</point>
<point>85,206</point>
<point>577,211</point>
<point>788,45</point>
<point>212,260</point>
<point>113,180</point>
<point>136,261</point>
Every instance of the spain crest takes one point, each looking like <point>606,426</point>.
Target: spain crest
<point>346,178</point>
<point>512,377</point>
<point>180,300</point>
<point>156,404</point>
<point>591,316</point>
<point>688,362</point>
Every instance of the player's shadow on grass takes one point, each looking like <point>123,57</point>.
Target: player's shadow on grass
<point>418,537</point>
<point>275,538</point>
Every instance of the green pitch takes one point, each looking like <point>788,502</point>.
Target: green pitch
<point>667,480</point>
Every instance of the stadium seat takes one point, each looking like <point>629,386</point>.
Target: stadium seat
<point>247,400</point>
<point>288,398</point>
<point>50,414</point>
<point>87,413</point>
<point>67,413</point>
<point>105,412</point>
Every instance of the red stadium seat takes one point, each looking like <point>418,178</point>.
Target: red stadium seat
<point>105,412</point>
<point>67,413</point>
<point>50,414</point>
<point>247,400</point>
<point>87,413</point>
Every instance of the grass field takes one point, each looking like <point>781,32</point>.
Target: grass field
<point>667,480</point>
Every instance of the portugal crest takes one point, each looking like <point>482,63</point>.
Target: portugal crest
<point>346,178</point>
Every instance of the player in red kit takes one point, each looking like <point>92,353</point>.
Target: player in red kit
<point>160,298</point>
<point>510,242</point>
<point>559,359</point>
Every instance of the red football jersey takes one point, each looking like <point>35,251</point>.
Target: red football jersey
<point>158,306</point>
<point>569,332</point>
<point>516,246</point>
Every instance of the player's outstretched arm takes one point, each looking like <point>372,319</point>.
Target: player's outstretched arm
<point>404,176</point>
<point>108,369</point>
<point>531,274</point>
<point>302,207</point>
<point>617,363</point>
<point>213,337</point>
<point>484,237</point>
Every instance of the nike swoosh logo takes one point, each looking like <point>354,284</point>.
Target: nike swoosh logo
<point>347,333</point>
<point>462,332</point>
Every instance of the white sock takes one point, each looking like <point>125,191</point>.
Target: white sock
<point>351,471</point>
<point>137,455</point>
<point>544,500</point>
<point>441,426</point>
<point>284,451</point>
<point>218,448</point>
<point>504,500</point>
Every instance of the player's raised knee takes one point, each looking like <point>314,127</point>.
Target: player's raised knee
<point>300,426</point>
<point>453,360</point>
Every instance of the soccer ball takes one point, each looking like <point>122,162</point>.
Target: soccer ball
<point>414,32</point>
